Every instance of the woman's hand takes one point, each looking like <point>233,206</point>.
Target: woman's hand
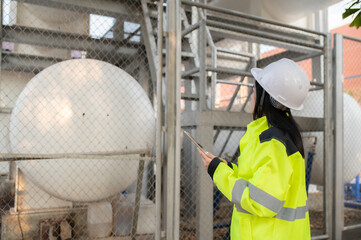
<point>206,158</point>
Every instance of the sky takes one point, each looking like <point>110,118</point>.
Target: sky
<point>335,15</point>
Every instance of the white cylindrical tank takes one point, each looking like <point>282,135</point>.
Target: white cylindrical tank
<point>31,15</point>
<point>281,10</point>
<point>82,106</point>
<point>313,107</point>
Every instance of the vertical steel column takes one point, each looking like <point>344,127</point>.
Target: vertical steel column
<point>1,56</point>
<point>316,66</point>
<point>214,77</point>
<point>149,41</point>
<point>202,66</point>
<point>205,184</point>
<point>205,136</point>
<point>328,137</point>
<point>137,199</point>
<point>173,119</point>
<point>338,203</point>
<point>177,170</point>
<point>158,179</point>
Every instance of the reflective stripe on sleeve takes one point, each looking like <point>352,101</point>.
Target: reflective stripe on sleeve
<point>237,192</point>
<point>265,199</point>
<point>291,214</point>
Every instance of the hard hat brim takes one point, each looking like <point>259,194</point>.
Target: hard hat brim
<point>256,73</point>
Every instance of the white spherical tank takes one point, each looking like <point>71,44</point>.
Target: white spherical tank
<point>82,106</point>
<point>313,107</point>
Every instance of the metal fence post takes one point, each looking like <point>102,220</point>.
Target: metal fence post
<point>173,119</point>
<point>160,111</point>
<point>338,204</point>
<point>328,138</point>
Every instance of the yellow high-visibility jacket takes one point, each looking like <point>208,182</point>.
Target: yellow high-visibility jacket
<point>267,187</point>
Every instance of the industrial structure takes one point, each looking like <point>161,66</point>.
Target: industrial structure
<point>94,95</point>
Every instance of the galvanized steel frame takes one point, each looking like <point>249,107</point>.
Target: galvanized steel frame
<point>115,11</point>
<point>326,54</point>
<point>339,143</point>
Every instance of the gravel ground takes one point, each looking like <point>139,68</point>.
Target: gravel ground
<point>352,217</point>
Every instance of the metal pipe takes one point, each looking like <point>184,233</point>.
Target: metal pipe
<point>225,57</point>
<point>117,157</point>
<point>177,158</point>
<point>351,38</point>
<point>209,36</point>
<point>214,77</point>
<point>193,97</point>
<point>317,84</point>
<point>129,35</point>
<point>320,237</point>
<point>190,29</point>
<point>328,141</point>
<point>190,72</point>
<point>243,54</point>
<point>315,88</point>
<point>173,124</point>
<point>262,34</point>
<point>235,83</point>
<point>248,16</point>
<point>352,227</point>
<point>352,77</point>
<point>229,71</point>
<point>72,155</point>
<point>158,161</point>
<point>169,122</point>
<point>202,66</point>
<point>353,203</point>
<point>213,47</point>
<point>338,188</point>
<point>204,133</point>
<point>137,200</point>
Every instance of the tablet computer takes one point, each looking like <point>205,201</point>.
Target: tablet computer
<point>195,142</point>
<point>200,146</point>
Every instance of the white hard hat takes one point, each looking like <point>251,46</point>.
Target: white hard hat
<point>285,81</point>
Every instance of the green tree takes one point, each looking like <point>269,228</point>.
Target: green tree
<point>354,8</point>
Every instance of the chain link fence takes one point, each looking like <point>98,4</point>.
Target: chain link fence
<point>351,131</point>
<point>77,120</point>
<point>219,48</point>
<point>77,91</point>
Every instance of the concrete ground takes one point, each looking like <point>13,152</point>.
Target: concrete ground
<point>354,234</point>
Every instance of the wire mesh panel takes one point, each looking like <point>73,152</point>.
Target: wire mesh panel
<point>351,131</point>
<point>221,47</point>
<point>77,120</point>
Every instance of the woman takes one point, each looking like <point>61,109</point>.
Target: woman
<point>268,185</point>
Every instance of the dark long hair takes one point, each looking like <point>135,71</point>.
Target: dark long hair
<point>277,118</point>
